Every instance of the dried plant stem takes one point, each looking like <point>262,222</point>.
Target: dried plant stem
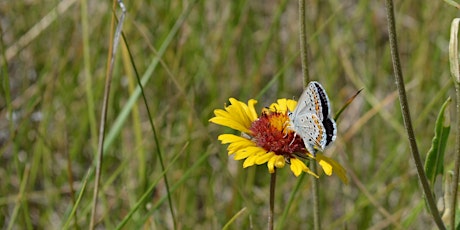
<point>306,79</point>
<point>303,43</point>
<point>406,114</point>
<point>457,160</point>
<point>272,200</point>
<point>108,80</point>
<point>315,187</point>
<point>455,72</point>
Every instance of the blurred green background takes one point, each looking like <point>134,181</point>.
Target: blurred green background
<point>54,55</point>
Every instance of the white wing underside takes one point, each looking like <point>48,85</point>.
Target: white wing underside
<point>311,130</point>
<point>309,117</point>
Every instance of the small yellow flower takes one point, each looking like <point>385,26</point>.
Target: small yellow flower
<point>266,139</point>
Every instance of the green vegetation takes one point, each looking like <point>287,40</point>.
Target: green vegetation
<point>54,62</point>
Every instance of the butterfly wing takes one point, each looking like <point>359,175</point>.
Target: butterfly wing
<point>303,104</point>
<point>331,130</point>
<point>323,110</point>
<point>312,131</point>
<point>311,101</point>
<point>321,94</point>
<point>312,119</point>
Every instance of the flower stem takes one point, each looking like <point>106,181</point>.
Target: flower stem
<point>272,200</point>
<point>406,114</point>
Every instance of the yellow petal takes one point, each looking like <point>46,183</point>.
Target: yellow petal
<point>336,167</point>
<point>238,115</point>
<point>223,114</point>
<point>263,158</point>
<point>279,106</point>
<point>229,138</point>
<point>282,105</point>
<point>275,162</point>
<point>235,147</point>
<point>291,104</point>
<point>296,166</point>
<point>307,170</point>
<point>271,165</point>
<point>246,152</point>
<point>279,161</point>
<point>250,161</point>
<point>242,154</point>
<point>236,142</point>
<point>327,168</point>
<point>234,124</point>
<point>275,107</point>
<point>236,110</point>
<point>240,111</point>
<point>252,111</point>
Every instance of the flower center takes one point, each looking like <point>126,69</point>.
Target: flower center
<point>271,133</point>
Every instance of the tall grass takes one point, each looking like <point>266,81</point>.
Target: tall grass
<point>222,49</point>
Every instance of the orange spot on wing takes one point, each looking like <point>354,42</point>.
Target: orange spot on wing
<point>319,138</point>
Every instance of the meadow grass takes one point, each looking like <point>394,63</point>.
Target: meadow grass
<point>192,56</point>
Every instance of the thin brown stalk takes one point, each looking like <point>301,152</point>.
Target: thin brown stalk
<point>454,69</point>
<point>108,81</point>
<point>272,200</point>
<point>406,114</point>
<point>306,79</point>
<point>315,187</point>
<point>457,160</point>
<point>303,43</point>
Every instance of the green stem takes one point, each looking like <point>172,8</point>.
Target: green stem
<point>406,114</point>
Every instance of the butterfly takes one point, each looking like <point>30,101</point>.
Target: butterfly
<point>312,120</point>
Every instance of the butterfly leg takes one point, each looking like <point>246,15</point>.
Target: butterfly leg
<point>293,139</point>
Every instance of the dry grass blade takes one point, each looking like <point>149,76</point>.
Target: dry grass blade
<point>38,28</point>
<point>347,103</point>
<point>105,102</point>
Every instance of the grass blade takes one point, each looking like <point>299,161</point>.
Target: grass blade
<point>238,214</point>
<point>77,202</point>
<point>351,99</point>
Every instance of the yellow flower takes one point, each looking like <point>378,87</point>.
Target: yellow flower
<point>266,139</point>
